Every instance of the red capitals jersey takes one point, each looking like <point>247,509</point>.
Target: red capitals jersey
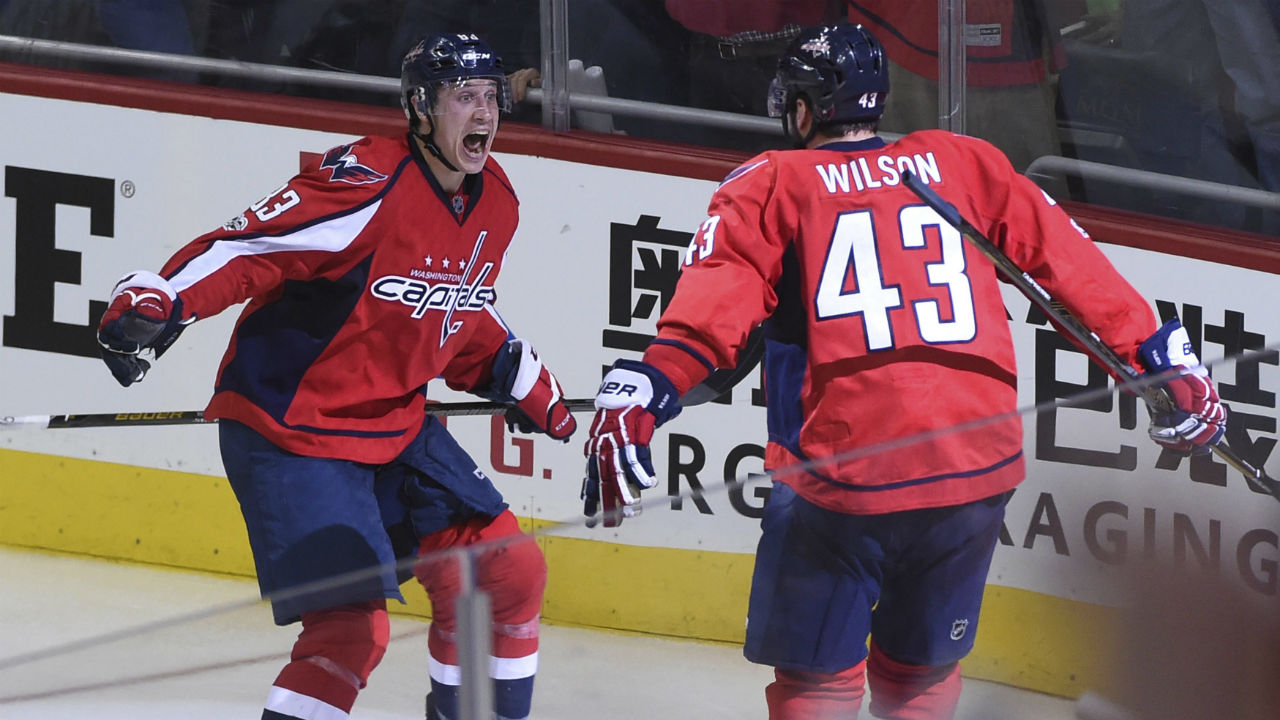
<point>364,283</point>
<point>886,329</point>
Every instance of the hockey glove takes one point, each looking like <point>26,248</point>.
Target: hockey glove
<point>634,399</point>
<point>143,314</point>
<point>520,379</point>
<point>1195,419</point>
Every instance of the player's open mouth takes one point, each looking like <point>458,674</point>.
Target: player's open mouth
<point>474,143</point>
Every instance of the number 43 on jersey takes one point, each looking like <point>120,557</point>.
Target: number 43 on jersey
<point>855,249</point>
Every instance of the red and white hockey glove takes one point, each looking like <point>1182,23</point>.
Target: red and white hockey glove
<point>143,314</point>
<point>520,379</point>
<point>1197,418</point>
<point>634,399</point>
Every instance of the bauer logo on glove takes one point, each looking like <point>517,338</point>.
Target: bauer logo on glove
<point>634,399</point>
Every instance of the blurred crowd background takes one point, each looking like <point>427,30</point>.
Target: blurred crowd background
<point>1187,90</point>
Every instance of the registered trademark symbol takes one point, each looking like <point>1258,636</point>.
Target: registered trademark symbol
<point>127,189</point>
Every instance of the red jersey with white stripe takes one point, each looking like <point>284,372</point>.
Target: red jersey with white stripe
<point>889,360</point>
<point>364,283</point>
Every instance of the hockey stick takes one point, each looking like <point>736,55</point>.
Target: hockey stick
<point>718,383</point>
<point>722,381</point>
<point>196,417</point>
<point>1157,396</point>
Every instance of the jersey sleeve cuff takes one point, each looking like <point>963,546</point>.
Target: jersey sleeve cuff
<point>682,368</point>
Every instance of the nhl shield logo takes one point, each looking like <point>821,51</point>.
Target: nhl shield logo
<point>959,628</point>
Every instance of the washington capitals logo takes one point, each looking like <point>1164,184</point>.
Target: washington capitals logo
<point>472,291</point>
<point>344,166</point>
<point>818,46</point>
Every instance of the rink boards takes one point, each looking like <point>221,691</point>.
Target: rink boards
<point>592,264</point>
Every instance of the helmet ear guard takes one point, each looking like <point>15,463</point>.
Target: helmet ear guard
<point>782,104</point>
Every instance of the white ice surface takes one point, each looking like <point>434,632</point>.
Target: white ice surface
<point>108,641</point>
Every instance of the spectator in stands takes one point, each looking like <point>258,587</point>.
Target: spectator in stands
<point>311,34</point>
<point>621,36</point>
<point>1229,55</point>
<point>1010,47</point>
<point>733,54</point>
<point>157,25</point>
<point>152,25</point>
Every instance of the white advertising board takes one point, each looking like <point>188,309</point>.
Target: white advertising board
<point>91,192</point>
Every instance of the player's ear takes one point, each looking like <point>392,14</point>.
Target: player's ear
<point>804,115</point>
<point>418,122</point>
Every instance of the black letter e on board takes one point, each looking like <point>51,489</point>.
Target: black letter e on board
<point>38,264</point>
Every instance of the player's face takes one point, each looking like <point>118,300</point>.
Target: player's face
<point>465,117</point>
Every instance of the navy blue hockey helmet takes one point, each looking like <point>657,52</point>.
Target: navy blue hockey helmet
<point>842,71</point>
<point>448,58</point>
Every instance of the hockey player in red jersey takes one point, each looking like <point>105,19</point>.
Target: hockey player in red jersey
<point>368,275</point>
<point>882,324</point>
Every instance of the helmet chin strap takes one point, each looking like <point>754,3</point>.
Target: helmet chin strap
<point>800,142</point>
<point>793,133</point>
<point>429,141</point>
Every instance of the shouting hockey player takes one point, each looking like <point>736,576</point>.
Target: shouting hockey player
<point>367,275</point>
<point>882,324</point>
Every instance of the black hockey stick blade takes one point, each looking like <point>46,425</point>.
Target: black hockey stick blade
<point>456,409</point>
<point>1256,477</point>
<point>196,417</point>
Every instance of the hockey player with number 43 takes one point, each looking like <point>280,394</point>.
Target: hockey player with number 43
<point>368,275</point>
<point>883,324</point>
